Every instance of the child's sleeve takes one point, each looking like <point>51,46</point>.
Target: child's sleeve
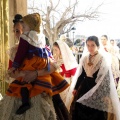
<point>10,64</point>
<point>21,53</point>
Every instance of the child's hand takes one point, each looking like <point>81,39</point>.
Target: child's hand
<point>59,62</point>
<point>74,92</point>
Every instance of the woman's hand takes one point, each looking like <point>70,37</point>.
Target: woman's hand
<point>74,92</point>
<point>10,71</point>
<point>15,74</point>
<point>107,100</point>
<point>30,76</point>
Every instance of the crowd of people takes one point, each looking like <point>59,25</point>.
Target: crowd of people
<point>48,83</point>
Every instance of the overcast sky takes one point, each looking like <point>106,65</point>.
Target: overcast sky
<point>108,23</point>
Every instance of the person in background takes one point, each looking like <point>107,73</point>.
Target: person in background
<point>116,53</point>
<point>65,59</point>
<point>66,40</point>
<point>93,86</point>
<point>118,44</point>
<point>115,48</point>
<point>114,57</point>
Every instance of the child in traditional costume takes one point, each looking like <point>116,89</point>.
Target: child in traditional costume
<point>65,59</point>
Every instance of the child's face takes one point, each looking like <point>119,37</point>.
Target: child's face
<point>26,28</point>
<point>56,51</point>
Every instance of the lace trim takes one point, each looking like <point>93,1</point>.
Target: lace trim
<point>90,70</point>
<point>103,96</point>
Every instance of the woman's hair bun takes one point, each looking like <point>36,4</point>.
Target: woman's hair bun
<point>17,18</point>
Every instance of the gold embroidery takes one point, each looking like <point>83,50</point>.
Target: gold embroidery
<point>90,63</point>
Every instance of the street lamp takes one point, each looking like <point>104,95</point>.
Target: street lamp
<point>73,29</point>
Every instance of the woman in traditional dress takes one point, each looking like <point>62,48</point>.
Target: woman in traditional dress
<point>116,61</point>
<point>114,53</point>
<point>94,86</point>
<point>41,104</point>
<point>65,59</point>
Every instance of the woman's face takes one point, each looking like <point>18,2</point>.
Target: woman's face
<point>104,40</point>
<point>92,47</point>
<point>56,51</point>
<point>18,29</point>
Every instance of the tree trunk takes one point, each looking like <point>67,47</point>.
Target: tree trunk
<point>52,38</point>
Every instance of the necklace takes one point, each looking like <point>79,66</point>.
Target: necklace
<point>90,63</point>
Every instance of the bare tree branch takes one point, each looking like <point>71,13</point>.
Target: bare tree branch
<point>56,21</point>
<point>56,5</point>
<point>37,9</point>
